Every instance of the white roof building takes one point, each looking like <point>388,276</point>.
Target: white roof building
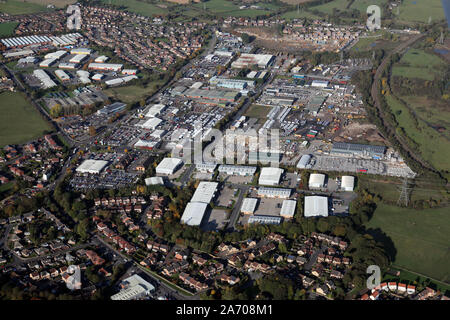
<point>304,161</point>
<point>151,123</point>
<point>316,181</point>
<point>193,213</point>
<point>55,55</point>
<point>101,59</point>
<point>237,170</point>
<point>206,167</point>
<point>205,192</point>
<point>169,166</point>
<point>270,176</point>
<point>249,205</point>
<point>97,77</point>
<point>46,81</point>
<point>288,209</point>
<point>274,192</point>
<point>316,206</point>
<point>105,66</point>
<point>83,76</point>
<point>155,110</point>
<point>348,183</point>
<point>62,75</point>
<point>92,166</point>
<point>78,58</point>
<point>134,288</point>
<point>153,181</point>
<point>47,62</point>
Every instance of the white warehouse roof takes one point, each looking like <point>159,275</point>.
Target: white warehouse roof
<point>205,192</point>
<point>92,166</point>
<point>304,161</point>
<point>274,192</point>
<point>270,176</point>
<point>288,209</point>
<point>193,213</point>
<point>348,183</point>
<point>153,181</point>
<point>316,180</point>
<point>151,123</point>
<point>155,110</point>
<point>249,205</point>
<point>316,206</point>
<point>168,165</point>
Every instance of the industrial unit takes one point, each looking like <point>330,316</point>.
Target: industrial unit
<point>237,170</point>
<point>249,205</point>
<point>361,150</point>
<point>274,192</point>
<point>316,181</point>
<point>288,209</point>
<point>316,206</point>
<point>92,166</point>
<point>169,166</point>
<point>270,176</point>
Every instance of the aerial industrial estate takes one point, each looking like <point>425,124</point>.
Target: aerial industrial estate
<point>182,151</point>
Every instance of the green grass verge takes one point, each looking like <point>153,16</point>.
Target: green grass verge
<point>19,121</point>
<point>421,238</point>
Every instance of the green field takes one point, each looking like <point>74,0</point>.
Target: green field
<point>417,63</point>
<point>422,134</point>
<point>299,15</point>
<point>256,111</point>
<point>421,238</point>
<point>132,93</point>
<point>19,121</point>
<point>419,116</point>
<point>228,8</point>
<point>7,29</point>
<point>341,5</point>
<point>420,11</point>
<point>142,8</point>
<point>14,7</point>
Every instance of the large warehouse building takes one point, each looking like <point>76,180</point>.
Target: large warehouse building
<point>288,209</point>
<point>316,206</point>
<point>270,176</point>
<point>205,192</point>
<point>169,166</point>
<point>316,181</point>
<point>92,166</point>
<point>360,150</point>
<point>304,162</point>
<point>274,192</point>
<point>247,60</point>
<point>196,208</point>
<point>193,213</point>
<point>348,183</point>
<point>237,170</point>
<point>262,219</point>
<point>249,205</point>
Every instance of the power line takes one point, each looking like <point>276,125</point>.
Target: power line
<point>403,199</point>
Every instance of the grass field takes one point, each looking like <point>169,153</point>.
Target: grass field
<point>228,8</point>
<point>421,11</point>
<point>417,63</point>
<point>299,15</point>
<point>7,29</point>
<point>143,8</point>
<point>56,3</point>
<point>132,93</point>
<point>421,238</point>
<point>256,111</point>
<point>19,121</point>
<point>341,5</point>
<point>15,7</point>
<point>436,153</point>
